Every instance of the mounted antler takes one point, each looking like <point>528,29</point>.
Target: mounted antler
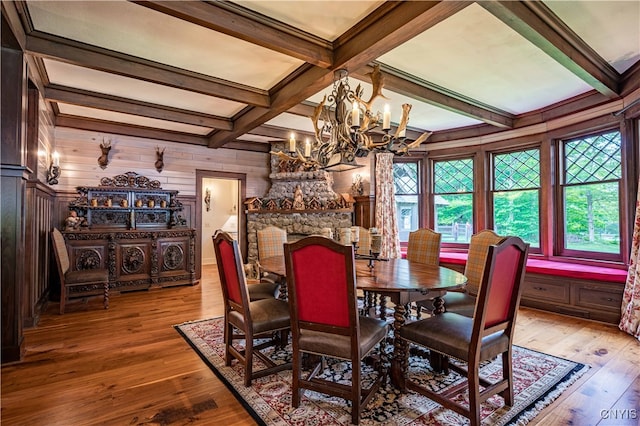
<point>317,113</point>
<point>404,120</point>
<point>159,159</point>
<point>423,137</point>
<point>105,147</point>
<point>377,81</point>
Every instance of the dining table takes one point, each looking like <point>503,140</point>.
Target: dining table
<point>403,282</point>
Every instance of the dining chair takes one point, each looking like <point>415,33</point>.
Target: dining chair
<point>474,340</point>
<point>464,301</point>
<point>325,323</point>
<point>270,243</point>
<point>423,246</point>
<point>84,279</point>
<point>364,243</point>
<point>247,320</point>
<point>262,287</point>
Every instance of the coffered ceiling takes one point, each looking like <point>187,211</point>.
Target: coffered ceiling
<point>243,73</point>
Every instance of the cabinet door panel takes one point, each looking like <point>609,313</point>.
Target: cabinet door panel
<point>133,260</point>
<point>87,255</point>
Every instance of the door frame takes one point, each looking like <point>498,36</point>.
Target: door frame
<point>242,217</point>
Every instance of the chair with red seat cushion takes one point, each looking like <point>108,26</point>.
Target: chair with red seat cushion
<point>474,340</point>
<point>247,320</point>
<point>321,284</point>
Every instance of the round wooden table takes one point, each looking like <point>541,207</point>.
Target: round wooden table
<point>403,282</point>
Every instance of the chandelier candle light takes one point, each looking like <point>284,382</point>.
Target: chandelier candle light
<point>343,133</point>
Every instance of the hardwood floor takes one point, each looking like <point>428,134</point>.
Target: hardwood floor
<point>128,366</point>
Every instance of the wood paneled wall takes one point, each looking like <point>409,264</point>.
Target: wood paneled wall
<point>79,151</point>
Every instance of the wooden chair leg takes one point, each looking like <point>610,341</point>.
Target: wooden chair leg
<point>63,297</point>
<point>474,397</point>
<point>106,295</point>
<point>507,373</point>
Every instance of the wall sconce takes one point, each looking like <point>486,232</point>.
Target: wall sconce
<point>105,147</point>
<point>53,172</point>
<point>207,198</point>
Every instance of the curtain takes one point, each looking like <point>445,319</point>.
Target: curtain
<point>386,220</point>
<point>630,319</point>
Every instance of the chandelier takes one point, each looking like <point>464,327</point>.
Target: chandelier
<point>345,128</point>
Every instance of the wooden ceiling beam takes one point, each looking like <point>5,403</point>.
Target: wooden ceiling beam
<point>539,25</point>
<point>90,99</point>
<point>400,22</point>
<point>102,126</point>
<point>397,23</point>
<point>87,56</point>
<point>423,91</point>
<point>247,25</point>
<point>308,82</point>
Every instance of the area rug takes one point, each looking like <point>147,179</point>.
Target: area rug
<point>538,380</point>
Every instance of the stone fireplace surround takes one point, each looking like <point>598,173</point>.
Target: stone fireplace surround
<point>323,207</point>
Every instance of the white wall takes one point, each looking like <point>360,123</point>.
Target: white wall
<point>223,210</point>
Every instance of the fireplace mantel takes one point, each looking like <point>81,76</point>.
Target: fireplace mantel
<point>291,211</point>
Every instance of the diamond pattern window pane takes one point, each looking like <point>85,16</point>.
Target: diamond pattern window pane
<point>453,176</point>
<point>593,159</point>
<point>517,170</point>
<point>405,178</point>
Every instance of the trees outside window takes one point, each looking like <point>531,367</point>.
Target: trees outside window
<point>591,184</point>
<point>516,195</point>
<point>453,200</point>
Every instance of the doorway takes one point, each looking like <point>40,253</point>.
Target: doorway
<point>219,197</point>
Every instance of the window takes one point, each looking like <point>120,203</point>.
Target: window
<point>591,182</point>
<point>406,179</point>
<point>516,195</point>
<point>453,200</point>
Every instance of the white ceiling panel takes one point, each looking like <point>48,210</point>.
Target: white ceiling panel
<point>116,85</point>
<point>476,55</point>
<point>327,19</point>
<point>127,27</point>
<point>611,28</point>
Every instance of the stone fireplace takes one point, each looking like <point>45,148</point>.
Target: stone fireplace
<point>300,200</point>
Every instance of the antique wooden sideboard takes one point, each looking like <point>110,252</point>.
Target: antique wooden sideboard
<point>131,227</point>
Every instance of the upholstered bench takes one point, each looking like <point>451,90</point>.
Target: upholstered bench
<point>586,291</point>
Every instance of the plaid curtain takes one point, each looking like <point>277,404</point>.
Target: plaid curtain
<point>386,220</point>
<point>630,319</point>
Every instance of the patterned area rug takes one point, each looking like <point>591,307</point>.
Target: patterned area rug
<point>539,380</point>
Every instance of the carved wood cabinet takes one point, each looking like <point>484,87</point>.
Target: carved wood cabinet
<point>130,226</point>
<point>136,259</point>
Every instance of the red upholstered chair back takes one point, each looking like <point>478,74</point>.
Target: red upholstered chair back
<point>321,282</point>
<point>230,269</point>
<point>499,296</point>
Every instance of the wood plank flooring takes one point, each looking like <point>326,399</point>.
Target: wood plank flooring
<point>128,366</point>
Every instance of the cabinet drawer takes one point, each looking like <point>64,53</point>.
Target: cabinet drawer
<point>546,290</point>
<point>599,296</point>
